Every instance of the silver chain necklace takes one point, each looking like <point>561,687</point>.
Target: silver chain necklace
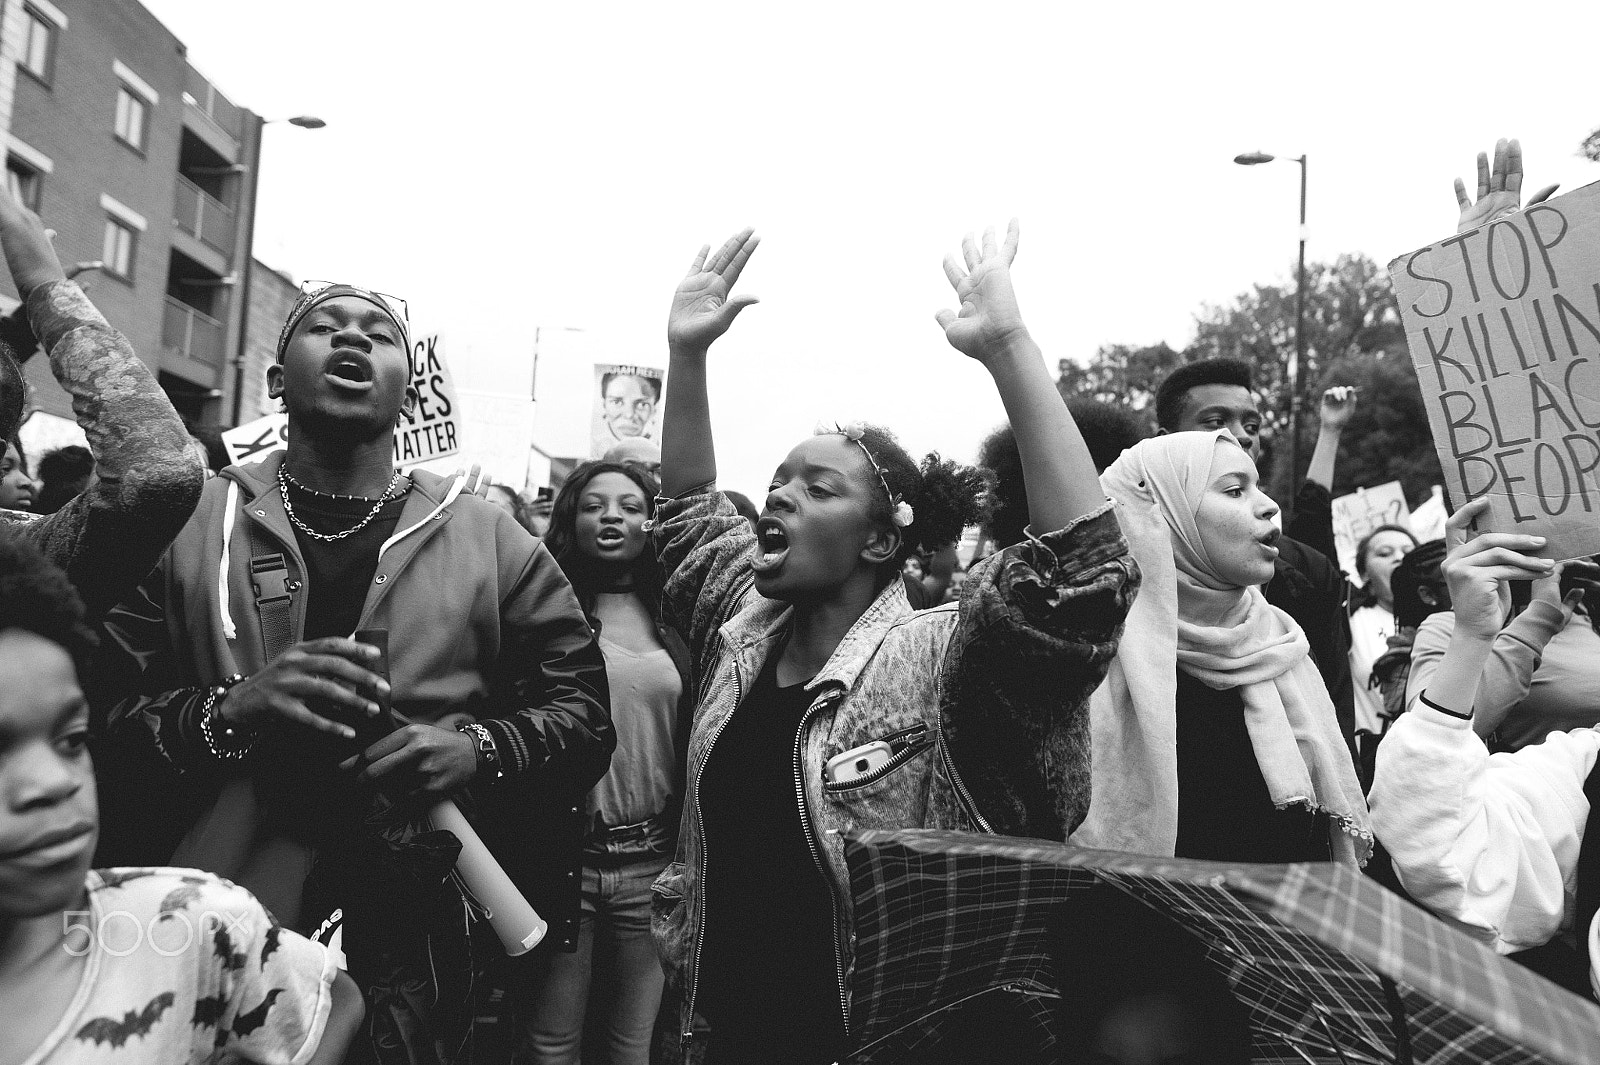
<point>288,509</point>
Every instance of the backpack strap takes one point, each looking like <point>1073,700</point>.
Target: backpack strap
<point>269,577</point>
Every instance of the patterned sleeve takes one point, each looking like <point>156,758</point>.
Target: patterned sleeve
<point>705,547</point>
<point>264,990</point>
<point>1039,624</point>
<point>109,537</point>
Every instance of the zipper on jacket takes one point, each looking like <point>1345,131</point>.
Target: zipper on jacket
<point>961,790</point>
<point>700,821</point>
<point>816,854</point>
<point>905,745</point>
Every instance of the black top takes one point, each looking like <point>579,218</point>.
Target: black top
<point>1224,810</point>
<point>304,792</point>
<point>767,982</point>
<point>338,572</point>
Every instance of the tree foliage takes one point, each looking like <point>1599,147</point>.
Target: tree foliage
<point>1353,336</point>
<point>1121,375</point>
<point>1590,148</point>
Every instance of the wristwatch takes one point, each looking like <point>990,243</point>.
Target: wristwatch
<point>483,744</point>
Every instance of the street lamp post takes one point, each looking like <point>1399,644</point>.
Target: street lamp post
<point>241,353</point>
<point>1255,159</point>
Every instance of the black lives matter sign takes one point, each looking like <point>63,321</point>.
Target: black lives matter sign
<point>431,428</point>
<point>1503,324</point>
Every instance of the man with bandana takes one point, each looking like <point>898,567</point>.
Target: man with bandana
<point>247,699</point>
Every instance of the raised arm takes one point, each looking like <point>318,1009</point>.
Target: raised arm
<point>1056,468</point>
<point>109,537</point>
<point>702,310</point>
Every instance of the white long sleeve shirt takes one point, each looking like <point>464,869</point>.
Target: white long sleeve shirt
<point>1487,842</point>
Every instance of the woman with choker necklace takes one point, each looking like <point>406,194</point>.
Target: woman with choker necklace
<point>598,534</point>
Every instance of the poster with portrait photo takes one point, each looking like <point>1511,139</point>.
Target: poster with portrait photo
<point>627,405</point>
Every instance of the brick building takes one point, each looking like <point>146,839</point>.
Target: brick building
<point>140,164</point>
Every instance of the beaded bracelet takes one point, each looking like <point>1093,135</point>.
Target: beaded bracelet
<point>230,747</point>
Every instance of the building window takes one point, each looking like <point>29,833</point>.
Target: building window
<point>117,252</point>
<point>132,117</point>
<point>38,43</point>
<point>23,182</point>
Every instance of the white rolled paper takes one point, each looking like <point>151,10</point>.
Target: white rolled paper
<point>512,917</point>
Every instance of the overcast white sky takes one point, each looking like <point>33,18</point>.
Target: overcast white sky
<point>511,165</point>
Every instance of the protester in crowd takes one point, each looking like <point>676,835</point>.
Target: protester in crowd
<point>1214,736</point>
<point>250,693</point>
<point>505,497</point>
<point>1419,592</point>
<point>1539,675</point>
<point>597,534</point>
<point>640,450</point>
<point>1372,617</point>
<point>1217,394</point>
<point>747,510</point>
<point>18,489</point>
<point>1498,844</point>
<point>109,537</point>
<point>1312,520</point>
<point>1107,432</point>
<point>63,473</point>
<point>159,985</point>
<point>825,703</point>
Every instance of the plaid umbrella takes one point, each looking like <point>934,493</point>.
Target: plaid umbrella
<point>1331,966</point>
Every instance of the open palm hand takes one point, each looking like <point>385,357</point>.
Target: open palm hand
<point>989,318</point>
<point>702,307</point>
<point>1499,188</point>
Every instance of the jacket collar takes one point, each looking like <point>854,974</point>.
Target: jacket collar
<point>755,628</point>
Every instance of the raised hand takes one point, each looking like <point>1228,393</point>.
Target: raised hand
<point>989,320</point>
<point>1476,570</point>
<point>1338,404</point>
<point>1499,188</point>
<point>26,243</point>
<point>702,307</point>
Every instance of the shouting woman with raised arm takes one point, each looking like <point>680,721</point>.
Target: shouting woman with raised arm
<point>826,704</point>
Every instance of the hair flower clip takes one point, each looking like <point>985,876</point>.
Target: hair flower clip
<point>903,514</point>
<point>853,431</point>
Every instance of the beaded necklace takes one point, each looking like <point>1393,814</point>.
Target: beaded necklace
<point>288,507</point>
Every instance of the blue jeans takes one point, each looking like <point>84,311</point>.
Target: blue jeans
<point>614,972</point>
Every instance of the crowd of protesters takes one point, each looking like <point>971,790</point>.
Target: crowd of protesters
<point>235,696</point>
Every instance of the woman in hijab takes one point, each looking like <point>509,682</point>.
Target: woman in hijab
<point>1214,736</point>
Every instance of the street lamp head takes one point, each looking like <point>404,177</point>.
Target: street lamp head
<point>307,122</point>
<point>1253,158</point>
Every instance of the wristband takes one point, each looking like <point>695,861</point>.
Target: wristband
<point>483,746</point>
<point>1433,705</point>
<point>222,740</point>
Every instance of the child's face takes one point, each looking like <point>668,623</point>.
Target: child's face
<point>48,817</point>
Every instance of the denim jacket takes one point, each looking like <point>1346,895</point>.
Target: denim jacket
<point>985,704</point>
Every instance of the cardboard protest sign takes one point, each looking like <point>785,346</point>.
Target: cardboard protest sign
<point>433,427</point>
<point>252,441</point>
<point>1503,323</point>
<point>431,431</point>
<point>627,404</point>
<point>1362,511</point>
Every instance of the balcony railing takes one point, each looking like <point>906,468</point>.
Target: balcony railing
<point>192,333</point>
<point>203,216</point>
<point>203,96</point>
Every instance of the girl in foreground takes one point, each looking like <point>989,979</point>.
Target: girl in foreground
<point>825,704</point>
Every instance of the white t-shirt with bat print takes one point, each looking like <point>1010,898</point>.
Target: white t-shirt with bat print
<point>186,967</point>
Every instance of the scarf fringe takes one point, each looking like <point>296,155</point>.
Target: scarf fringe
<point>1344,823</point>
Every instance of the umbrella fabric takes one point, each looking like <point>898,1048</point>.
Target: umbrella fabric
<point>1323,958</point>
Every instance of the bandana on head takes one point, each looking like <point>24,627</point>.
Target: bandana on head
<point>310,300</point>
